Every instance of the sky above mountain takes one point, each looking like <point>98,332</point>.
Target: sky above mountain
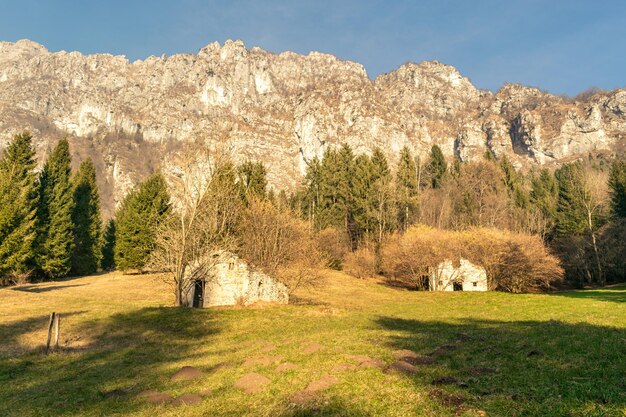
<point>564,47</point>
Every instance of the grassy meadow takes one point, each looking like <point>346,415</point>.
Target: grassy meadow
<point>483,354</point>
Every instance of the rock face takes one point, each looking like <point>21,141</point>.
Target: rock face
<point>465,277</point>
<point>282,109</point>
<point>232,281</point>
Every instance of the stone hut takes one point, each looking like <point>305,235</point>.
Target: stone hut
<point>464,277</point>
<point>232,281</point>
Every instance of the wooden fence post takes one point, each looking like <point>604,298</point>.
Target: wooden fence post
<point>57,320</point>
<point>49,332</point>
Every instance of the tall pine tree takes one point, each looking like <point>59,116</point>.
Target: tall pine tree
<point>617,186</point>
<point>107,262</point>
<point>18,207</point>
<point>87,222</point>
<point>137,221</point>
<point>252,180</point>
<point>56,237</point>
<point>437,167</point>
<point>407,189</point>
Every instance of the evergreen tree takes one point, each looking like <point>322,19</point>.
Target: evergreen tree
<point>107,262</point>
<point>310,198</point>
<point>513,184</point>
<point>617,185</point>
<point>570,211</point>
<point>437,167</point>
<point>407,189</point>
<point>252,180</point>
<point>86,220</point>
<point>544,193</point>
<point>56,203</point>
<point>18,206</point>
<point>137,220</point>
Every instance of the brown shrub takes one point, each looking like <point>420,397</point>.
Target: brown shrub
<point>514,262</point>
<point>409,257</point>
<point>361,263</point>
<point>279,243</point>
<point>333,245</point>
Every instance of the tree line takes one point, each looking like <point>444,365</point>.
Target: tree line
<point>50,225</point>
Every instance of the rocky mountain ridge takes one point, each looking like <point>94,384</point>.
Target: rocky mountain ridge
<point>282,109</point>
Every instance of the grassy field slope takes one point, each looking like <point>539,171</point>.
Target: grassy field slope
<point>492,354</point>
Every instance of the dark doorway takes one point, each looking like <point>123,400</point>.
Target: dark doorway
<point>457,286</point>
<point>198,293</point>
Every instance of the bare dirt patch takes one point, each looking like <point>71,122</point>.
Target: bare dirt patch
<point>401,367</point>
<point>413,358</point>
<point>343,367</point>
<point>155,397</point>
<point>262,360</point>
<point>207,392</point>
<point>286,367</point>
<point>443,350</point>
<point>188,399</point>
<point>365,362</point>
<point>312,348</point>
<point>268,348</point>
<point>481,371</point>
<point>310,392</point>
<point>446,380</point>
<point>187,373</point>
<point>116,393</point>
<point>451,400</point>
<point>252,383</point>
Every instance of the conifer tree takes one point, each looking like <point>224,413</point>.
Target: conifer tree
<point>513,183</point>
<point>56,203</point>
<point>107,262</point>
<point>617,186</point>
<point>137,220</point>
<point>407,189</point>
<point>87,221</point>
<point>570,214</point>
<point>18,206</point>
<point>437,167</point>
<point>252,180</point>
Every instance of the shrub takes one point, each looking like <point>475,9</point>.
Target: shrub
<point>333,245</point>
<point>514,262</point>
<point>280,244</point>
<point>361,263</point>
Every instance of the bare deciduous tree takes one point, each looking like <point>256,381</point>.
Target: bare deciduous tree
<point>205,206</point>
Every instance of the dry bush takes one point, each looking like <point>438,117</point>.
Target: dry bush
<point>408,258</point>
<point>279,243</point>
<point>514,262</point>
<point>333,245</point>
<point>361,263</point>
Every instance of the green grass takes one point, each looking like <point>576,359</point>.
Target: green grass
<point>545,355</point>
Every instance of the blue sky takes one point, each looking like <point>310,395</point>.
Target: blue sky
<point>561,46</point>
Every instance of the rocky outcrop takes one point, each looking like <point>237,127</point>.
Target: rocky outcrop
<point>282,109</point>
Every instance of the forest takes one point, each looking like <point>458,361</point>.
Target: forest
<point>531,230</point>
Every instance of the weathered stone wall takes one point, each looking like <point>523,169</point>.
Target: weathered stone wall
<point>468,275</point>
<point>231,281</point>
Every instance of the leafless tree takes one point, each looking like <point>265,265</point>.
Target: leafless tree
<point>205,207</point>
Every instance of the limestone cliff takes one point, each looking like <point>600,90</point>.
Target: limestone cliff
<point>282,109</point>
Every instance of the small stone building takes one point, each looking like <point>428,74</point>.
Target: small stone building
<point>464,277</point>
<point>232,281</point>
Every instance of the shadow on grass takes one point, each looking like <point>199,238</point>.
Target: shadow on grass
<point>129,356</point>
<point>518,368</point>
<point>40,289</point>
<point>614,294</point>
<point>11,332</point>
